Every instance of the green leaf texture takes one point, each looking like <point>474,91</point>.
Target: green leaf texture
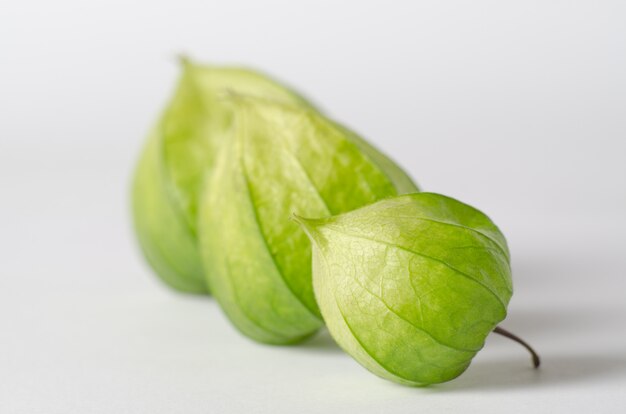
<point>164,237</point>
<point>178,157</point>
<point>281,159</point>
<point>411,286</point>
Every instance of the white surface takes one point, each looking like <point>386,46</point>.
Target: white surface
<point>518,109</point>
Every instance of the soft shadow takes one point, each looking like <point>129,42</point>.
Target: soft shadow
<point>321,342</point>
<point>509,374</point>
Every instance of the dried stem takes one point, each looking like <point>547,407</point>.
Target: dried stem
<point>535,356</point>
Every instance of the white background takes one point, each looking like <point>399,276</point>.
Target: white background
<point>518,108</point>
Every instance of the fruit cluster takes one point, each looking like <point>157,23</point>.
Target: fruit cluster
<point>292,221</point>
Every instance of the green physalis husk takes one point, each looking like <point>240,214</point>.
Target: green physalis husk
<point>279,160</point>
<point>179,155</point>
<point>411,286</point>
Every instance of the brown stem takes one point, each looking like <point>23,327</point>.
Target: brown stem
<point>504,332</point>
